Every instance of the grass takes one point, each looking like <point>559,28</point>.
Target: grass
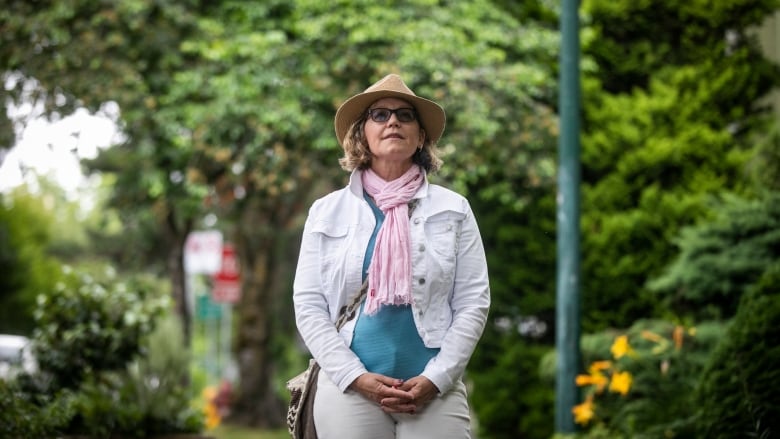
<point>236,432</point>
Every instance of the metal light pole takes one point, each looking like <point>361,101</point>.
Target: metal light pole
<point>568,222</point>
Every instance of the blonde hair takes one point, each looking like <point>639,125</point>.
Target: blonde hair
<point>357,154</point>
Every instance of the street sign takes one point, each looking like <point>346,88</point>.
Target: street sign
<point>206,309</point>
<point>203,252</point>
<point>227,281</point>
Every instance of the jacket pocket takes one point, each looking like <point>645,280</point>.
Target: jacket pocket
<point>333,239</point>
<point>441,232</point>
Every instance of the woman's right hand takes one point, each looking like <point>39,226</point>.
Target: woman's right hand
<point>377,387</point>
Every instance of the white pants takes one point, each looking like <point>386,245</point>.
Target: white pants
<point>349,415</point>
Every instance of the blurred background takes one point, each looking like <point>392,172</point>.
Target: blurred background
<point>158,157</point>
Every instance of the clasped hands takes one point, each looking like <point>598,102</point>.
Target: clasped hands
<point>395,395</point>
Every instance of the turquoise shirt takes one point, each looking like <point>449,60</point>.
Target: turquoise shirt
<point>388,342</point>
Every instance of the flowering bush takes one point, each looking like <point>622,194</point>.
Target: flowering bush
<point>639,383</point>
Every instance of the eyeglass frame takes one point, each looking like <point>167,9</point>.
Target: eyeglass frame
<point>415,116</point>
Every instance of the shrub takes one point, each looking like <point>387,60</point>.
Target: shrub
<point>148,397</point>
<point>109,364</point>
<point>508,397</point>
<point>28,415</point>
<point>738,391</point>
<point>86,327</point>
<point>640,382</point>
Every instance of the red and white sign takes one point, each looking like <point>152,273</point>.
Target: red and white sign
<point>227,281</point>
<point>203,252</point>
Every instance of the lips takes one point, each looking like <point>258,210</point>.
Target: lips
<point>393,136</point>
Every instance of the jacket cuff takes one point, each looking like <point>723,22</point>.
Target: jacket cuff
<point>440,380</point>
<point>344,383</point>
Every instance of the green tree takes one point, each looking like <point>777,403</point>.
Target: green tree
<point>66,55</point>
<point>265,125</point>
<point>233,104</point>
<point>28,267</point>
<point>722,259</point>
<point>670,113</point>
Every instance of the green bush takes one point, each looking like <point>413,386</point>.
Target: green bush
<point>27,267</point>
<point>508,397</point>
<point>157,382</point>
<point>659,363</point>
<point>721,259</point>
<point>86,327</point>
<point>738,391</point>
<point>112,363</point>
<point>24,414</point>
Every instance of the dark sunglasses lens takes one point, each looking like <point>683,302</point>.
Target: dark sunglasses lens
<point>380,114</point>
<point>404,115</point>
<point>383,114</point>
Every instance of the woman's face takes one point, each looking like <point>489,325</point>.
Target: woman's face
<point>393,140</point>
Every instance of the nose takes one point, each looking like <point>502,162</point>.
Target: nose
<point>393,120</point>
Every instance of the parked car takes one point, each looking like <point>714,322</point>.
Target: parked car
<point>15,356</point>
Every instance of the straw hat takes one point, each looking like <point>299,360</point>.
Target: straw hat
<point>430,113</point>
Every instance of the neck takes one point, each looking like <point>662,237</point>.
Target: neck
<point>390,171</point>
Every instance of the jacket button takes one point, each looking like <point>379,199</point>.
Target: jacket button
<point>421,281</point>
<point>417,220</point>
<point>422,247</point>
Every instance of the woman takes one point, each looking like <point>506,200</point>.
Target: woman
<point>394,371</point>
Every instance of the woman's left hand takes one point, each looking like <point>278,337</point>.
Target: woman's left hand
<point>420,387</point>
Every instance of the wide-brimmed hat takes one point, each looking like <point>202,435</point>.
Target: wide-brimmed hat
<point>430,113</point>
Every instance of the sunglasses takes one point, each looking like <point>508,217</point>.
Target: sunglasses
<point>383,114</point>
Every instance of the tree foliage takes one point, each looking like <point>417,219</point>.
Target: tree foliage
<point>28,267</point>
<point>227,109</point>
<point>722,259</point>
<point>232,104</point>
<point>264,125</point>
<point>737,392</point>
<point>672,125</point>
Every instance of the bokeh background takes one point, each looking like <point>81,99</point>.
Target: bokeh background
<point>200,126</point>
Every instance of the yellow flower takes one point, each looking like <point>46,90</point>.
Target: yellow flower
<point>212,416</point>
<point>621,347</point>
<point>677,336</point>
<point>595,379</point>
<point>583,413</point>
<point>597,366</point>
<point>652,336</point>
<point>210,409</point>
<point>620,383</point>
<point>208,392</point>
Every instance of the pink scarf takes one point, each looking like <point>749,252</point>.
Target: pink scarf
<point>390,271</point>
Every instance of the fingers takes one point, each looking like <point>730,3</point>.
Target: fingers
<point>377,387</point>
<point>389,381</point>
<point>394,395</point>
<point>421,389</point>
<point>397,407</point>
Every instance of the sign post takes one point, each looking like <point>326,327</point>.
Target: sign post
<point>227,281</point>
<point>226,291</point>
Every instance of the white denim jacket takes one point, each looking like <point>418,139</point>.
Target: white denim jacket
<point>451,294</point>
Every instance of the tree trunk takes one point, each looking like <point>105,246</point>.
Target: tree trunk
<point>267,242</point>
<point>177,236</point>
<point>257,403</point>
